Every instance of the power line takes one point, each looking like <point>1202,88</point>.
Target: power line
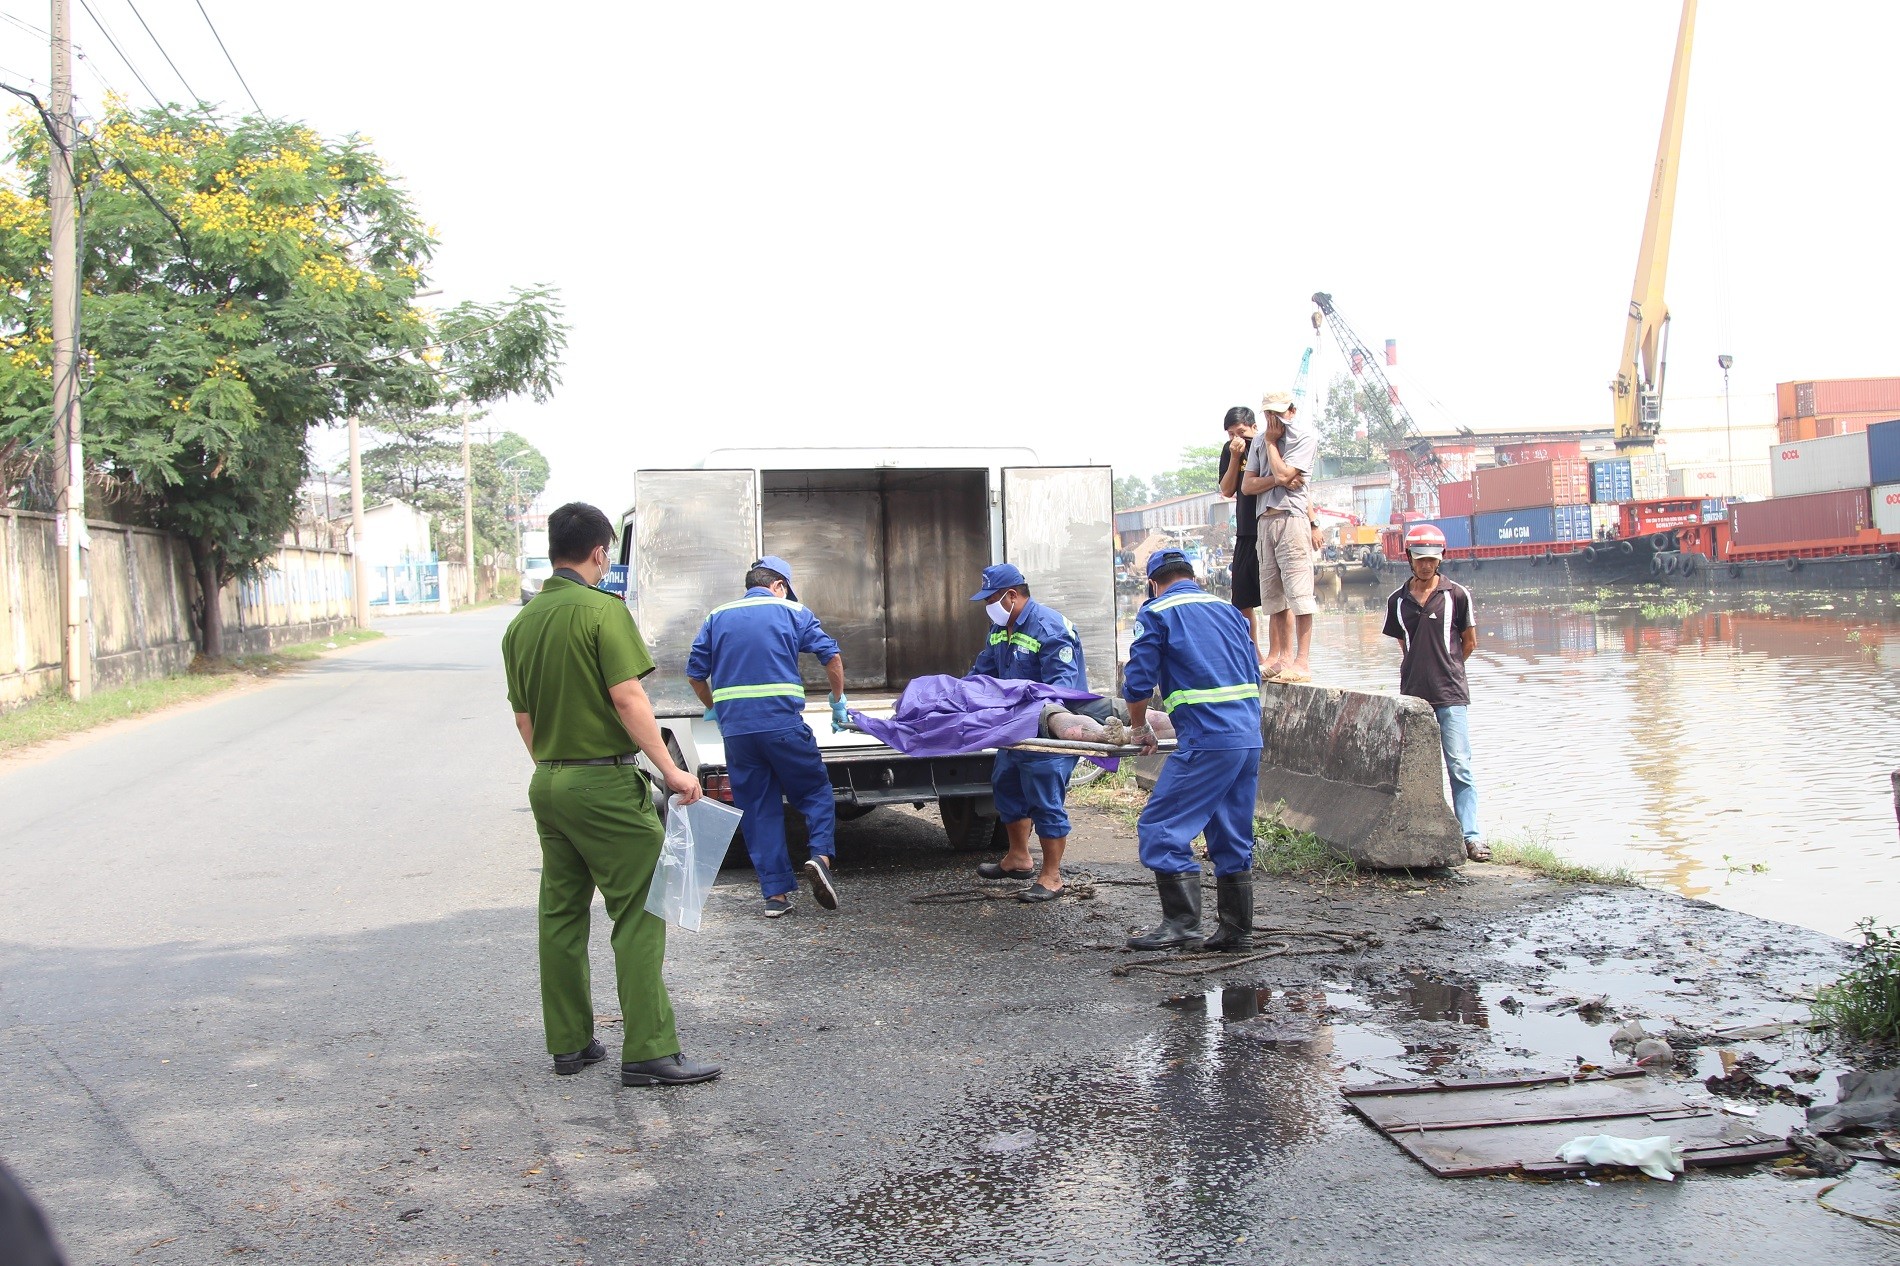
<point>161,50</point>
<point>156,99</point>
<point>38,32</point>
<point>228,57</point>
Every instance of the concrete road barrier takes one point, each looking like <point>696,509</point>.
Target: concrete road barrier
<point>1363,772</point>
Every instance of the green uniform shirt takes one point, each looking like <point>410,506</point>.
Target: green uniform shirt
<point>563,652</point>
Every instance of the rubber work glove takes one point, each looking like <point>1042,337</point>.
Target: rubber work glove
<point>840,717</point>
<point>712,714</point>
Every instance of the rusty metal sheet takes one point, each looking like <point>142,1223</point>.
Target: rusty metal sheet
<point>1460,1129</point>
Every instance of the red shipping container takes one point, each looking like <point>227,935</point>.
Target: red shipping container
<point>1856,395</point>
<point>1820,516</point>
<point>1454,499</point>
<point>1794,430</point>
<point>1520,454</point>
<point>1844,424</point>
<point>1564,482</point>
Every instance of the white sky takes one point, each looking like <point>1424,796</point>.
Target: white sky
<point>1091,227</point>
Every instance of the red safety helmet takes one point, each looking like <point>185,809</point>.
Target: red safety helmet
<point>1425,541</point>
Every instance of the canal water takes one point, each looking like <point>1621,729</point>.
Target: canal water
<point>1732,747</point>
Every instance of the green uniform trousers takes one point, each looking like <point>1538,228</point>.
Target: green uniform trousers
<point>599,830</point>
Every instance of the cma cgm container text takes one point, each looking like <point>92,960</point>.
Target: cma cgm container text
<point>1886,508</point>
<point>1563,481</point>
<point>1821,516</point>
<point>1832,464</point>
<point>1540,525</point>
<point>1883,453</point>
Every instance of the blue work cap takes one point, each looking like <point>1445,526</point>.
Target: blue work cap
<point>1001,576</point>
<point>772,562</point>
<point>1162,557</point>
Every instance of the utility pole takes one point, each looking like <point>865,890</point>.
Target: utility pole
<point>70,531</point>
<point>468,511</point>
<point>358,564</point>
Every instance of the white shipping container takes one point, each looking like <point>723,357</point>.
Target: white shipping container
<point>1602,516</point>
<point>1723,479</point>
<point>1886,499</point>
<point>1832,463</point>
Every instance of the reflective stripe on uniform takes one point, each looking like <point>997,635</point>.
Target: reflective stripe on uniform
<point>1020,640</point>
<point>754,602</point>
<point>1216,694</point>
<point>1182,599</point>
<point>765,690</point>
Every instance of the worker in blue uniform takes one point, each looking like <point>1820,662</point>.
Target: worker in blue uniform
<point>1029,642</point>
<point>1195,650</point>
<point>744,668</point>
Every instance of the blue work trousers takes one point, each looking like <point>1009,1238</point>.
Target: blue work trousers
<point>1454,735</point>
<point>1033,785</point>
<point>1205,791</point>
<point>768,769</point>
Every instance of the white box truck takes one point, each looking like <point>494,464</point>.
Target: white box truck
<point>886,545</point>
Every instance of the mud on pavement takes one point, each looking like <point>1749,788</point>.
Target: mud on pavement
<point>972,1082</point>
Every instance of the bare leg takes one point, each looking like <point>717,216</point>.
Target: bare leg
<point>1051,875</point>
<point>1279,642</point>
<point>1017,856</point>
<point>1160,725</point>
<point>1072,727</point>
<point>1253,627</point>
<point>1304,624</point>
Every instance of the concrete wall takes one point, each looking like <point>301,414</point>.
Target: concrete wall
<point>141,593</point>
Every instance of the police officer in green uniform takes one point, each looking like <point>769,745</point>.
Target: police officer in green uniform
<point>574,660</point>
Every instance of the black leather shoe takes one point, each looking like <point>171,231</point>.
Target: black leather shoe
<point>1180,926</point>
<point>668,1070</point>
<point>568,1065</point>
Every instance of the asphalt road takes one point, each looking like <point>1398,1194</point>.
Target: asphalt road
<point>267,986</point>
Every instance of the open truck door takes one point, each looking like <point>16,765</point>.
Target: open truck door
<point>692,536</point>
<point>1059,527</point>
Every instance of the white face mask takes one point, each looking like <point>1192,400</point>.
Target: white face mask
<point>998,613</point>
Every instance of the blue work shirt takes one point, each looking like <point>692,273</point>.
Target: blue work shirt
<point>1042,647</point>
<point>1194,647</point>
<point>748,651</point>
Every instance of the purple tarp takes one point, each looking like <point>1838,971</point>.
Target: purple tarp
<point>955,716</point>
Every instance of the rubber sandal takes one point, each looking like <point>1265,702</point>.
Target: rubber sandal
<point>1290,677</point>
<point>1037,893</point>
<point>992,870</point>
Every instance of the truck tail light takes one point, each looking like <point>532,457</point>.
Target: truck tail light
<point>718,786</point>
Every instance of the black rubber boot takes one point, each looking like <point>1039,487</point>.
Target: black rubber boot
<point>1234,894</point>
<point>1180,926</point>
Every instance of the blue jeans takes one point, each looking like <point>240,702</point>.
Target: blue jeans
<point>1454,735</point>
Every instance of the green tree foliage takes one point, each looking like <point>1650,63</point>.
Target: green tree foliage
<point>1131,491</point>
<point>243,282</point>
<point>1356,427</point>
<point>416,457</point>
<point>1199,472</point>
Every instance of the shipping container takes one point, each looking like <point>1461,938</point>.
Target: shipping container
<point>1855,395</point>
<point>1649,477</point>
<point>1830,464</point>
<point>1457,530</point>
<point>1572,522</point>
<point>1821,516</point>
<point>1886,508</point>
<point>1372,505</point>
<point>1604,521</point>
<point>1521,454</point>
<point>1721,479</point>
<point>1454,499</point>
<point>1610,481</point>
<point>1825,397</point>
<point>1564,481</point>
<point>1845,423</point>
<point>1883,452</point>
<point>1794,430</point>
<point>1535,526</point>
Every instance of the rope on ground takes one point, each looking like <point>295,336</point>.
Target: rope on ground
<point>1820,1198</point>
<point>1183,965</point>
<point>1081,888</point>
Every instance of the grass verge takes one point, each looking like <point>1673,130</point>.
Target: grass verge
<point>55,716</point>
<point>1864,1004</point>
<point>1278,849</point>
<point>1116,794</point>
<point>1535,855</point>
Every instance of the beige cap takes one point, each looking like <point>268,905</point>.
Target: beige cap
<point>1277,401</point>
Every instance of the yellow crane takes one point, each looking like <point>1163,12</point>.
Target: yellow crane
<point>1638,386</point>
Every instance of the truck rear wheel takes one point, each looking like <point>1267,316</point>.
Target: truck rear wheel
<point>968,828</point>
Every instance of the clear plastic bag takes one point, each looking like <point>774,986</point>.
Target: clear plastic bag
<point>697,836</point>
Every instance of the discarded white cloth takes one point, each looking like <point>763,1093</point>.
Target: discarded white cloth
<point>1659,1157</point>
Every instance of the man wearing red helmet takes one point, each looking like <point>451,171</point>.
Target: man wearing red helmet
<point>1434,619</point>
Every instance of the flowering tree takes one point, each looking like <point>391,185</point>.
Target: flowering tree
<point>241,283</point>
